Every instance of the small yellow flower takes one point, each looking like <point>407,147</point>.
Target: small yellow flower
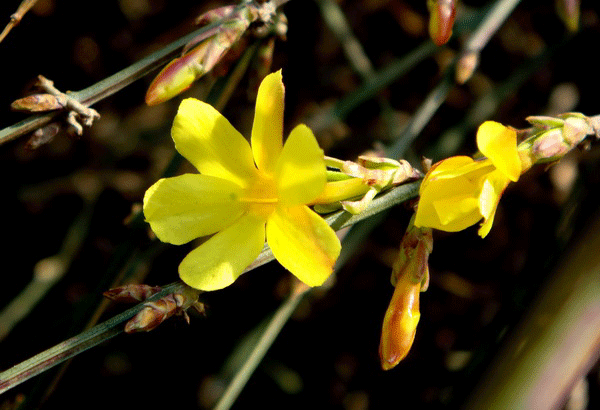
<point>459,191</point>
<point>243,194</point>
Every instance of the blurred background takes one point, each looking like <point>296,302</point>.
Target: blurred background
<point>73,196</point>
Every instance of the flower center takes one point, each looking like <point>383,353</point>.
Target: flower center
<point>261,196</point>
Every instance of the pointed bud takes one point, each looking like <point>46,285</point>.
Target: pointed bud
<point>42,136</point>
<point>39,103</point>
<point>206,51</point>
<point>410,276</point>
<point>131,293</point>
<point>466,66</point>
<point>177,76</point>
<point>441,20</point>
<point>156,312</point>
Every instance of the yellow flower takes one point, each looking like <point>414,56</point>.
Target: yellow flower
<point>243,194</point>
<point>459,191</point>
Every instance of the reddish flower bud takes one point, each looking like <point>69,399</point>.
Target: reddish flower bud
<point>441,20</point>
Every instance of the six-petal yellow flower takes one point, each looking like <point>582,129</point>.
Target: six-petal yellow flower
<point>244,194</point>
<point>459,191</point>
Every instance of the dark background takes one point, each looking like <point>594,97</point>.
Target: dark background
<point>326,356</point>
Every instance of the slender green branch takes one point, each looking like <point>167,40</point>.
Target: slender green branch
<point>47,273</point>
<point>377,208</point>
<point>469,57</point>
<point>270,333</point>
<point>17,16</point>
<point>106,87</point>
<point>490,25</point>
<point>421,118</point>
<point>104,331</point>
<point>73,346</point>
<point>112,84</point>
<point>336,21</point>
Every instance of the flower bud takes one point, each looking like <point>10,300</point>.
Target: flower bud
<point>550,145</point>
<point>410,276</point>
<point>441,20</point>
<point>39,103</point>
<point>466,66</point>
<point>568,11</point>
<point>369,176</point>
<point>206,51</point>
<point>553,137</point>
<point>156,312</point>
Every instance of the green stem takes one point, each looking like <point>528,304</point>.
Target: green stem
<point>104,331</point>
<point>73,346</point>
<point>267,338</point>
<point>112,84</point>
<point>490,25</point>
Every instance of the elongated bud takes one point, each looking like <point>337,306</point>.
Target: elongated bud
<point>39,103</point>
<point>202,53</point>
<point>568,11</point>
<point>131,293</point>
<point>410,276</point>
<point>441,20</point>
<point>42,136</point>
<point>177,76</point>
<point>154,313</point>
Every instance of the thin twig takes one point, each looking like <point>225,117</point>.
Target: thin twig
<point>47,273</point>
<point>270,333</point>
<point>110,85</point>
<point>16,17</point>
<point>469,59</point>
<point>70,348</point>
<point>73,346</point>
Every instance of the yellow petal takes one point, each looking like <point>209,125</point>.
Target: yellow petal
<point>449,204</point>
<point>492,190</point>
<point>267,129</point>
<point>303,243</point>
<point>499,144</point>
<point>218,262</point>
<point>189,206</point>
<point>456,213</point>
<point>206,139</point>
<point>439,169</point>
<point>301,173</point>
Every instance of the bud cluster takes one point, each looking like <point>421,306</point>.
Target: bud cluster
<point>552,137</point>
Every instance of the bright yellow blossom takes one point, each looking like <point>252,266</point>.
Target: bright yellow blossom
<point>244,194</point>
<point>459,191</point>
